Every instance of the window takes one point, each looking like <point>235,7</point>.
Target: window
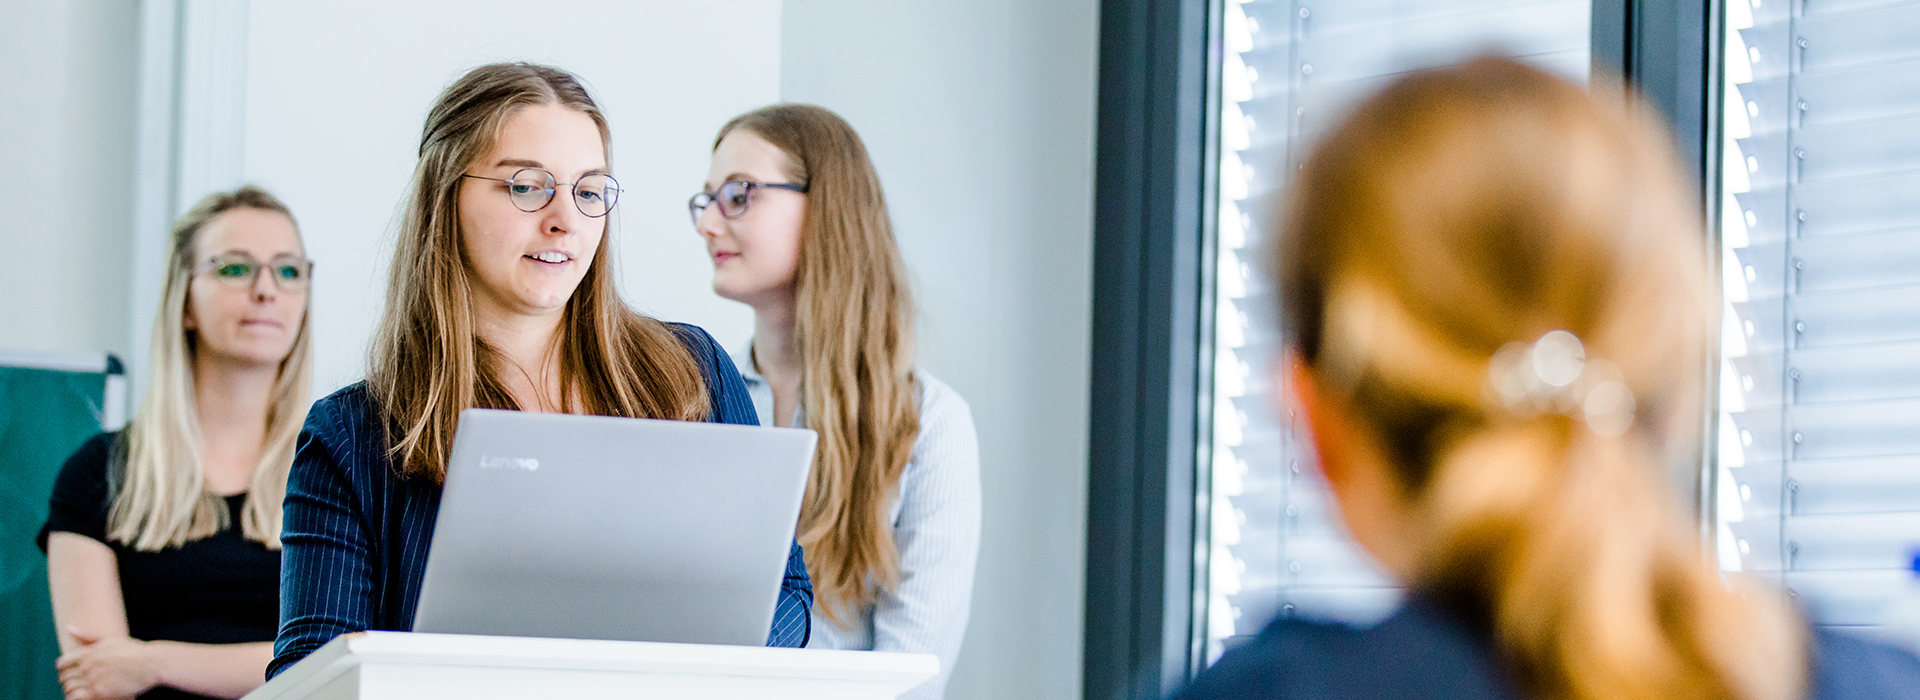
<point>1290,70</point>
<point>1819,428</point>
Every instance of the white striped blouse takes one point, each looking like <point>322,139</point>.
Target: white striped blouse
<point>936,525</point>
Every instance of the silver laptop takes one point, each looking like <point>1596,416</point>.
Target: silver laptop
<point>591,527</point>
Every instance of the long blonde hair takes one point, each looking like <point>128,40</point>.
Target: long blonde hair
<point>854,327</point>
<point>160,497</point>
<point>1467,209</point>
<point>428,364</point>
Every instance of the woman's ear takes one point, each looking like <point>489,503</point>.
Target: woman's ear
<point>1356,470</point>
<point>1324,425</point>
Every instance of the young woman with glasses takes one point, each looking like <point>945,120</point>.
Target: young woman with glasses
<point>1496,319</point>
<point>163,540</point>
<point>501,296</point>
<point>797,227</point>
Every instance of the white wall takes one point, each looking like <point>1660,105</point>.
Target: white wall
<point>66,142</point>
<point>980,116</point>
<point>336,94</point>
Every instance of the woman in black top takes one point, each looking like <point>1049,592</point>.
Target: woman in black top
<point>1495,320</point>
<point>163,540</point>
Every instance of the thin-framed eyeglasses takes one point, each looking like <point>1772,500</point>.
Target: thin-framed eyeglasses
<point>733,197</point>
<point>531,189</point>
<point>291,273</point>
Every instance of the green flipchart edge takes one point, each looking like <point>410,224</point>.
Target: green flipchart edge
<point>44,416</point>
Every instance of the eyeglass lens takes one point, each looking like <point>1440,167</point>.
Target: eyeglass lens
<point>532,188</point>
<point>732,198</point>
<point>289,273</point>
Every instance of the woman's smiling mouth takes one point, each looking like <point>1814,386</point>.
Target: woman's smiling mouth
<point>551,257</point>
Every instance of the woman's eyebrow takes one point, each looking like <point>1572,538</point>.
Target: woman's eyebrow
<point>736,175</point>
<point>525,163</point>
<point>277,254</point>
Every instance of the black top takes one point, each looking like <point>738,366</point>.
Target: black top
<point>1425,652</point>
<point>357,533</point>
<point>222,589</point>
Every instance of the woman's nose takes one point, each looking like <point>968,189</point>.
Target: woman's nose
<point>710,224</point>
<point>562,214</point>
<point>265,290</point>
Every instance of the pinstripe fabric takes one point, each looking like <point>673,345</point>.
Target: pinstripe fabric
<point>936,525</point>
<point>355,534</point>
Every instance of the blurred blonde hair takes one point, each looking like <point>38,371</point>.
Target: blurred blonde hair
<point>854,326</point>
<point>1472,207</point>
<point>428,361</point>
<point>161,499</point>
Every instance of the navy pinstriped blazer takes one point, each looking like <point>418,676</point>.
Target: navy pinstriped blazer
<point>355,533</point>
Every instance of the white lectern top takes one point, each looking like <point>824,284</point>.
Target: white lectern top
<point>395,665</point>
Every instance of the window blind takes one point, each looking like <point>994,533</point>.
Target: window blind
<point>1819,438</point>
<point>1289,71</point>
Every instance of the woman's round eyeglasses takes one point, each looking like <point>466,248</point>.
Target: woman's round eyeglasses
<point>290,273</point>
<point>532,188</point>
<point>733,197</point>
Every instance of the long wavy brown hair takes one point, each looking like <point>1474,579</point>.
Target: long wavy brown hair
<point>854,326</point>
<point>1469,208</point>
<point>428,364</point>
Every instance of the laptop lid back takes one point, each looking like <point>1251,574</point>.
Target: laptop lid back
<point>595,527</point>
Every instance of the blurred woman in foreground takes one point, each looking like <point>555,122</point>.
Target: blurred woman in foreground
<point>1496,317</point>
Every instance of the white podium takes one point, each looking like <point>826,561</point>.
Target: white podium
<point>409,666</point>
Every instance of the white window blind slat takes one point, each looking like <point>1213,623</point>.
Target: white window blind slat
<point>1385,47</point>
<point>1829,319</point>
<point>1833,151</point>
<point>1765,330</point>
<point>1821,8</point>
<point>1851,541</point>
<point>1760,435</point>
<point>1830,208</point>
<point>1856,429</point>
<point>1759,543</point>
<point>1851,318</point>
<point>1848,486</point>
<point>1838,96</point>
<point>1835,40</point>
<point>1834,264</point>
<point>1329,560</point>
<point>1857,204</point>
<point>1857,373</point>
<point>1327,103</point>
<point>1855,598</point>
<point>1348,15</point>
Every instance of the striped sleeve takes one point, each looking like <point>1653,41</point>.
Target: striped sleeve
<point>326,578</point>
<point>793,615</point>
<point>937,532</point>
